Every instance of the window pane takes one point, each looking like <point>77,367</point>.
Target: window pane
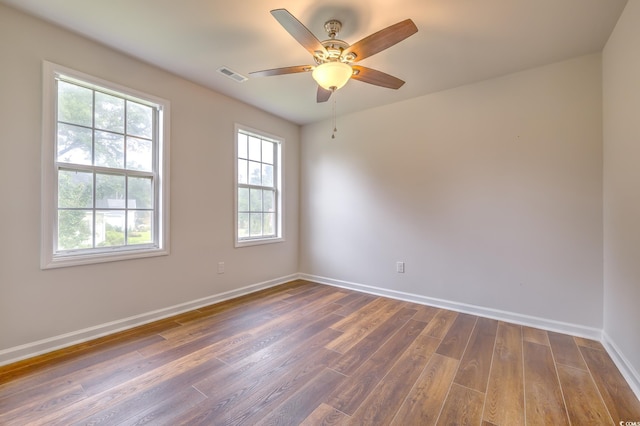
<point>255,224</point>
<point>243,225</point>
<point>258,215</point>
<point>139,120</point>
<point>242,145</point>
<point>267,175</point>
<point>243,199</point>
<point>75,104</point>
<point>74,229</point>
<point>255,173</point>
<point>267,152</point>
<point>139,154</point>
<point>242,171</point>
<point>110,228</point>
<point>109,150</point>
<point>74,144</point>
<point>109,112</point>
<point>110,191</point>
<point>140,228</point>
<point>254,149</point>
<point>140,193</point>
<point>103,179</point>
<point>255,200</point>
<point>75,189</point>
<point>269,224</point>
<point>268,201</point>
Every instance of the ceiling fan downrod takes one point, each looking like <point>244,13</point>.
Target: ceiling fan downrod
<point>333,27</point>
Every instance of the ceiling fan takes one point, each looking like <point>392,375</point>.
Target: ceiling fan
<point>334,58</point>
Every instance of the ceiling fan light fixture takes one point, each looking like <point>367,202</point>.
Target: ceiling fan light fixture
<point>332,75</point>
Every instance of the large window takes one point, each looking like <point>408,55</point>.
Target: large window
<point>104,171</point>
<point>258,187</point>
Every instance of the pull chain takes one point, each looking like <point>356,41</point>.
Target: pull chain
<point>335,128</point>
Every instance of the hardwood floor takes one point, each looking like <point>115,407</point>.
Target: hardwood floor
<point>304,353</point>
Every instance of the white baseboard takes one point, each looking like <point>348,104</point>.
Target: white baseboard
<point>626,369</point>
<point>18,353</point>
<point>630,374</point>
<point>512,317</point>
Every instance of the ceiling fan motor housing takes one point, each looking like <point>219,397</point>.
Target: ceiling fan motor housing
<point>333,46</point>
<point>333,52</point>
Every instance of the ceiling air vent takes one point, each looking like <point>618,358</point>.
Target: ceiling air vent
<point>232,74</point>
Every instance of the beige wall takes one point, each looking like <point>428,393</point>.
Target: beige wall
<point>621,88</point>
<point>491,193</point>
<point>37,304</point>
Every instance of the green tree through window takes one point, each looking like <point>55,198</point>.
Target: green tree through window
<point>106,171</point>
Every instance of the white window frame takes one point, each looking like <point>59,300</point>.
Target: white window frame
<point>279,185</point>
<point>49,258</point>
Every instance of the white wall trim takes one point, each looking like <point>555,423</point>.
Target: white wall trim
<point>28,350</point>
<point>512,317</point>
<point>631,375</point>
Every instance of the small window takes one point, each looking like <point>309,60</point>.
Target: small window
<point>258,181</point>
<point>104,186</point>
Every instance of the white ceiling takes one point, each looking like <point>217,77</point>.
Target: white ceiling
<point>458,41</point>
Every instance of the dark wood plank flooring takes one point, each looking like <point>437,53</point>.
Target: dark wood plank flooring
<point>305,353</point>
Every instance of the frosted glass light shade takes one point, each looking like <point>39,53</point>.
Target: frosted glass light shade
<point>332,75</point>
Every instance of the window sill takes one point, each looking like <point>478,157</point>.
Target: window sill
<point>257,242</point>
<point>92,258</point>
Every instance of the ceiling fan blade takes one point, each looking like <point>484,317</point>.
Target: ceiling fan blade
<point>298,31</point>
<point>376,77</point>
<point>281,71</point>
<point>323,94</point>
<point>383,39</point>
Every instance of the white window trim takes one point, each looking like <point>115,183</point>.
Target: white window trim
<point>48,191</point>
<point>280,216</point>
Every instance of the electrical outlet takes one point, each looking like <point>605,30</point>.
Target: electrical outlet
<point>221,267</point>
<point>400,267</point>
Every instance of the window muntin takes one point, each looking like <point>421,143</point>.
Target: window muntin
<point>105,187</point>
<point>258,188</point>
